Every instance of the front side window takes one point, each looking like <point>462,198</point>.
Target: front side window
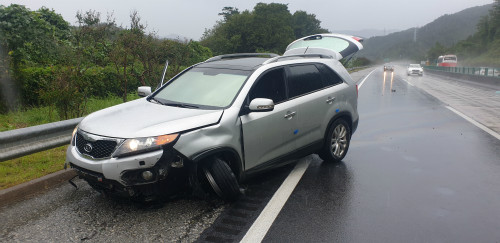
<point>271,85</point>
<point>204,87</point>
<point>303,79</point>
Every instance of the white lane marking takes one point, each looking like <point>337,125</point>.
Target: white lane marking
<point>362,82</point>
<point>266,218</point>
<point>408,82</point>
<point>477,124</point>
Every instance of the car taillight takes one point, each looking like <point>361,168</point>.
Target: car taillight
<point>358,39</point>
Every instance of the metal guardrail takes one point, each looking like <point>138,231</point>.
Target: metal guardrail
<point>477,71</point>
<point>25,141</point>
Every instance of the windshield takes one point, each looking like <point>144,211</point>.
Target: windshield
<point>209,87</point>
<point>415,65</point>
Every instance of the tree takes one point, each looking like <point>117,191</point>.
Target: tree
<point>267,28</point>
<point>227,12</point>
<point>436,51</point>
<point>31,36</point>
<point>305,24</point>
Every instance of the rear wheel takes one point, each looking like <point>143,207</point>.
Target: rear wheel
<point>337,141</point>
<point>222,179</point>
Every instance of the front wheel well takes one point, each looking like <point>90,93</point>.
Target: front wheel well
<point>230,156</point>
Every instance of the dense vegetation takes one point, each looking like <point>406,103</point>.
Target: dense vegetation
<point>61,66</point>
<point>446,30</point>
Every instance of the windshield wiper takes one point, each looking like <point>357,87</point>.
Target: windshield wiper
<point>157,101</point>
<point>181,105</point>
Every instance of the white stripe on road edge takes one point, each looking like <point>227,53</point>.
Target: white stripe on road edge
<point>362,82</point>
<point>477,124</point>
<point>266,218</point>
<point>259,228</point>
<point>408,82</point>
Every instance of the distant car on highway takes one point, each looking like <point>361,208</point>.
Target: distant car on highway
<point>388,68</point>
<point>415,69</point>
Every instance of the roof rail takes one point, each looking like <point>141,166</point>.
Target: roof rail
<point>276,59</point>
<point>240,55</point>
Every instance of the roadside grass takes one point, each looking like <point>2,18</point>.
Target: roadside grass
<point>27,168</point>
<point>24,169</point>
<point>42,115</point>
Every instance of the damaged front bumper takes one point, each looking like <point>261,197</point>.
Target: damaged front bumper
<point>146,175</point>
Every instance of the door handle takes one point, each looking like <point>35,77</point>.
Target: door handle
<point>289,115</point>
<point>330,100</point>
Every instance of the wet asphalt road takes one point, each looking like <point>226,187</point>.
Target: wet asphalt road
<point>84,215</point>
<point>415,172</point>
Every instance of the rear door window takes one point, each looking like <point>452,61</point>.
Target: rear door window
<point>303,79</point>
<point>330,77</point>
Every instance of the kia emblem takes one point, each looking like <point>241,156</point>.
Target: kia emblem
<point>87,147</point>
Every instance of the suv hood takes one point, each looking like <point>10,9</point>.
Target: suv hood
<point>141,118</point>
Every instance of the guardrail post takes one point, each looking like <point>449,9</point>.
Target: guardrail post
<point>485,71</point>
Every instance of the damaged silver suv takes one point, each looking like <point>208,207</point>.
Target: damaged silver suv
<point>219,121</point>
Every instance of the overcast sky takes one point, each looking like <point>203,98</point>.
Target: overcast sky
<point>190,18</point>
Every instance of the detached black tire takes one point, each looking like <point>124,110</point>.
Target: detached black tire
<point>337,141</point>
<point>222,179</point>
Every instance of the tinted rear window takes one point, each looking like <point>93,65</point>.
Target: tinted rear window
<point>330,77</point>
<point>303,79</point>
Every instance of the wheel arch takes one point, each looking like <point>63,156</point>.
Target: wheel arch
<point>229,155</point>
<point>341,115</point>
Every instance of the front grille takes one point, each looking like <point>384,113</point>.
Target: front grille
<point>98,149</point>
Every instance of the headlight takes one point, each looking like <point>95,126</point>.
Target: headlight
<point>140,145</point>
<point>73,135</point>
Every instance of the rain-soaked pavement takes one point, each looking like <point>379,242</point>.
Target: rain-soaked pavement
<point>415,172</point>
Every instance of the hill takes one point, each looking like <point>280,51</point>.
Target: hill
<point>367,33</point>
<point>447,30</point>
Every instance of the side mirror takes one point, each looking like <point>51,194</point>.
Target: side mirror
<point>261,105</point>
<point>144,91</point>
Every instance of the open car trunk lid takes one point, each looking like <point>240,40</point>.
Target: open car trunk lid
<point>336,45</point>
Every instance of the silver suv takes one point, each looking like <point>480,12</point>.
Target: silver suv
<point>219,121</point>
